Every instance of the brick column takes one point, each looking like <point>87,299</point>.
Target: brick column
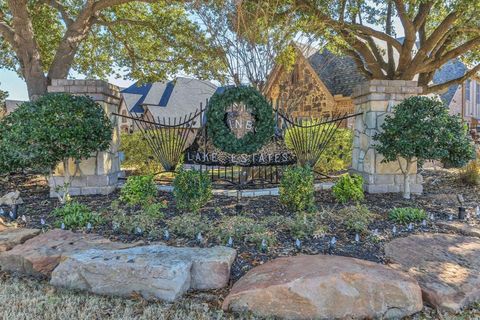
<point>98,174</point>
<point>375,98</point>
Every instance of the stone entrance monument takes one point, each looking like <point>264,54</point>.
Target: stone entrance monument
<point>98,174</point>
<point>376,98</point>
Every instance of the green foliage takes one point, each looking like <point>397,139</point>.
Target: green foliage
<point>356,218</point>
<point>76,216</point>
<point>154,40</point>
<point>297,188</point>
<point>223,137</point>
<point>139,154</point>
<point>470,174</point>
<point>348,188</point>
<point>188,225</point>
<point>3,97</point>
<point>243,229</point>
<point>422,128</point>
<point>459,144</point>
<point>338,152</point>
<point>192,190</point>
<point>147,219</point>
<point>139,190</point>
<point>407,215</point>
<point>39,135</point>
<point>305,225</point>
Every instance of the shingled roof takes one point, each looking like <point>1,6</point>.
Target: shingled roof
<point>339,73</point>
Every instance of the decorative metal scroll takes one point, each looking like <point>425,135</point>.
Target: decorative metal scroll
<point>167,137</point>
<point>308,138</point>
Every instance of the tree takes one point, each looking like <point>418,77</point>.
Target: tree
<point>435,33</point>
<point>422,129</point>
<point>39,135</point>
<point>147,39</point>
<point>249,37</point>
<point>3,107</point>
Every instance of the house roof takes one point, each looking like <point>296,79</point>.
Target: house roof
<point>339,73</point>
<point>134,96</point>
<point>451,70</point>
<point>168,98</point>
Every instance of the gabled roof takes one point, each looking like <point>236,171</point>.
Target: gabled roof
<point>339,73</point>
<point>134,96</point>
<point>182,95</point>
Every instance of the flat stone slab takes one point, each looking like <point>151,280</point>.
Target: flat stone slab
<point>461,227</point>
<point>155,272</point>
<point>40,255</point>
<point>325,287</point>
<point>12,237</point>
<point>446,266</point>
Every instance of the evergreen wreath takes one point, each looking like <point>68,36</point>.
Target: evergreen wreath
<point>223,137</point>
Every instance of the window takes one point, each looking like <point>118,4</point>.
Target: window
<point>467,90</point>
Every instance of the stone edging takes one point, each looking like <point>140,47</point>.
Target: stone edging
<point>250,193</point>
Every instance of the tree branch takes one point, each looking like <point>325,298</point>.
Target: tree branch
<point>7,33</point>
<point>61,8</point>
<point>442,86</point>
<point>436,62</point>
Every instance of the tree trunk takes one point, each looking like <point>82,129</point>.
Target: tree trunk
<point>26,49</point>
<point>406,186</point>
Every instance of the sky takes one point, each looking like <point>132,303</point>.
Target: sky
<point>17,89</point>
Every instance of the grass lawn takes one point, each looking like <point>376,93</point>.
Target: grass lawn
<point>22,298</point>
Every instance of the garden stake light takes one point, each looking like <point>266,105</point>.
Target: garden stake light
<point>410,227</point>
<point>230,242</point>
<point>298,244</point>
<point>450,217</point>
<point>331,245</point>
<point>89,227</point>
<point>264,245</point>
<point>394,230</point>
<point>62,226</point>
<point>24,218</point>
<point>477,212</point>
<point>357,238</point>
<point>199,238</point>
<point>166,235</point>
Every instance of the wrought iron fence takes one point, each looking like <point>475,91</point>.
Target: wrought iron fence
<point>170,137</point>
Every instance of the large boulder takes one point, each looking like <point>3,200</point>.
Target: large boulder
<point>153,271</point>
<point>40,255</point>
<point>325,287</point>
<point>447,267</point>
<point>11,237</point>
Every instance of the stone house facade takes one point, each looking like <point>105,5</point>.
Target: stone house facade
<point>318,86</point>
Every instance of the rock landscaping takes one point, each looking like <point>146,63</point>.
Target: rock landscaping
<point>153,271</point>
<point>11,237</point>
<point>325,287</point>
<point>341,279</point>
<point>446,266</point>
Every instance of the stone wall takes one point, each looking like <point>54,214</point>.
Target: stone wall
<point>375,99</point>
<point>98,174</point>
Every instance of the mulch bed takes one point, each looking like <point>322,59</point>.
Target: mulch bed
<point>440,190</point>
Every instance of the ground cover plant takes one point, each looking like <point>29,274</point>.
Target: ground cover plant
<point>74,215</point>
<point>407,215</point>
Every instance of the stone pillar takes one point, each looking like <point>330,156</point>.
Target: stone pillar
<point>98,174</point>
<point>375,98</point>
